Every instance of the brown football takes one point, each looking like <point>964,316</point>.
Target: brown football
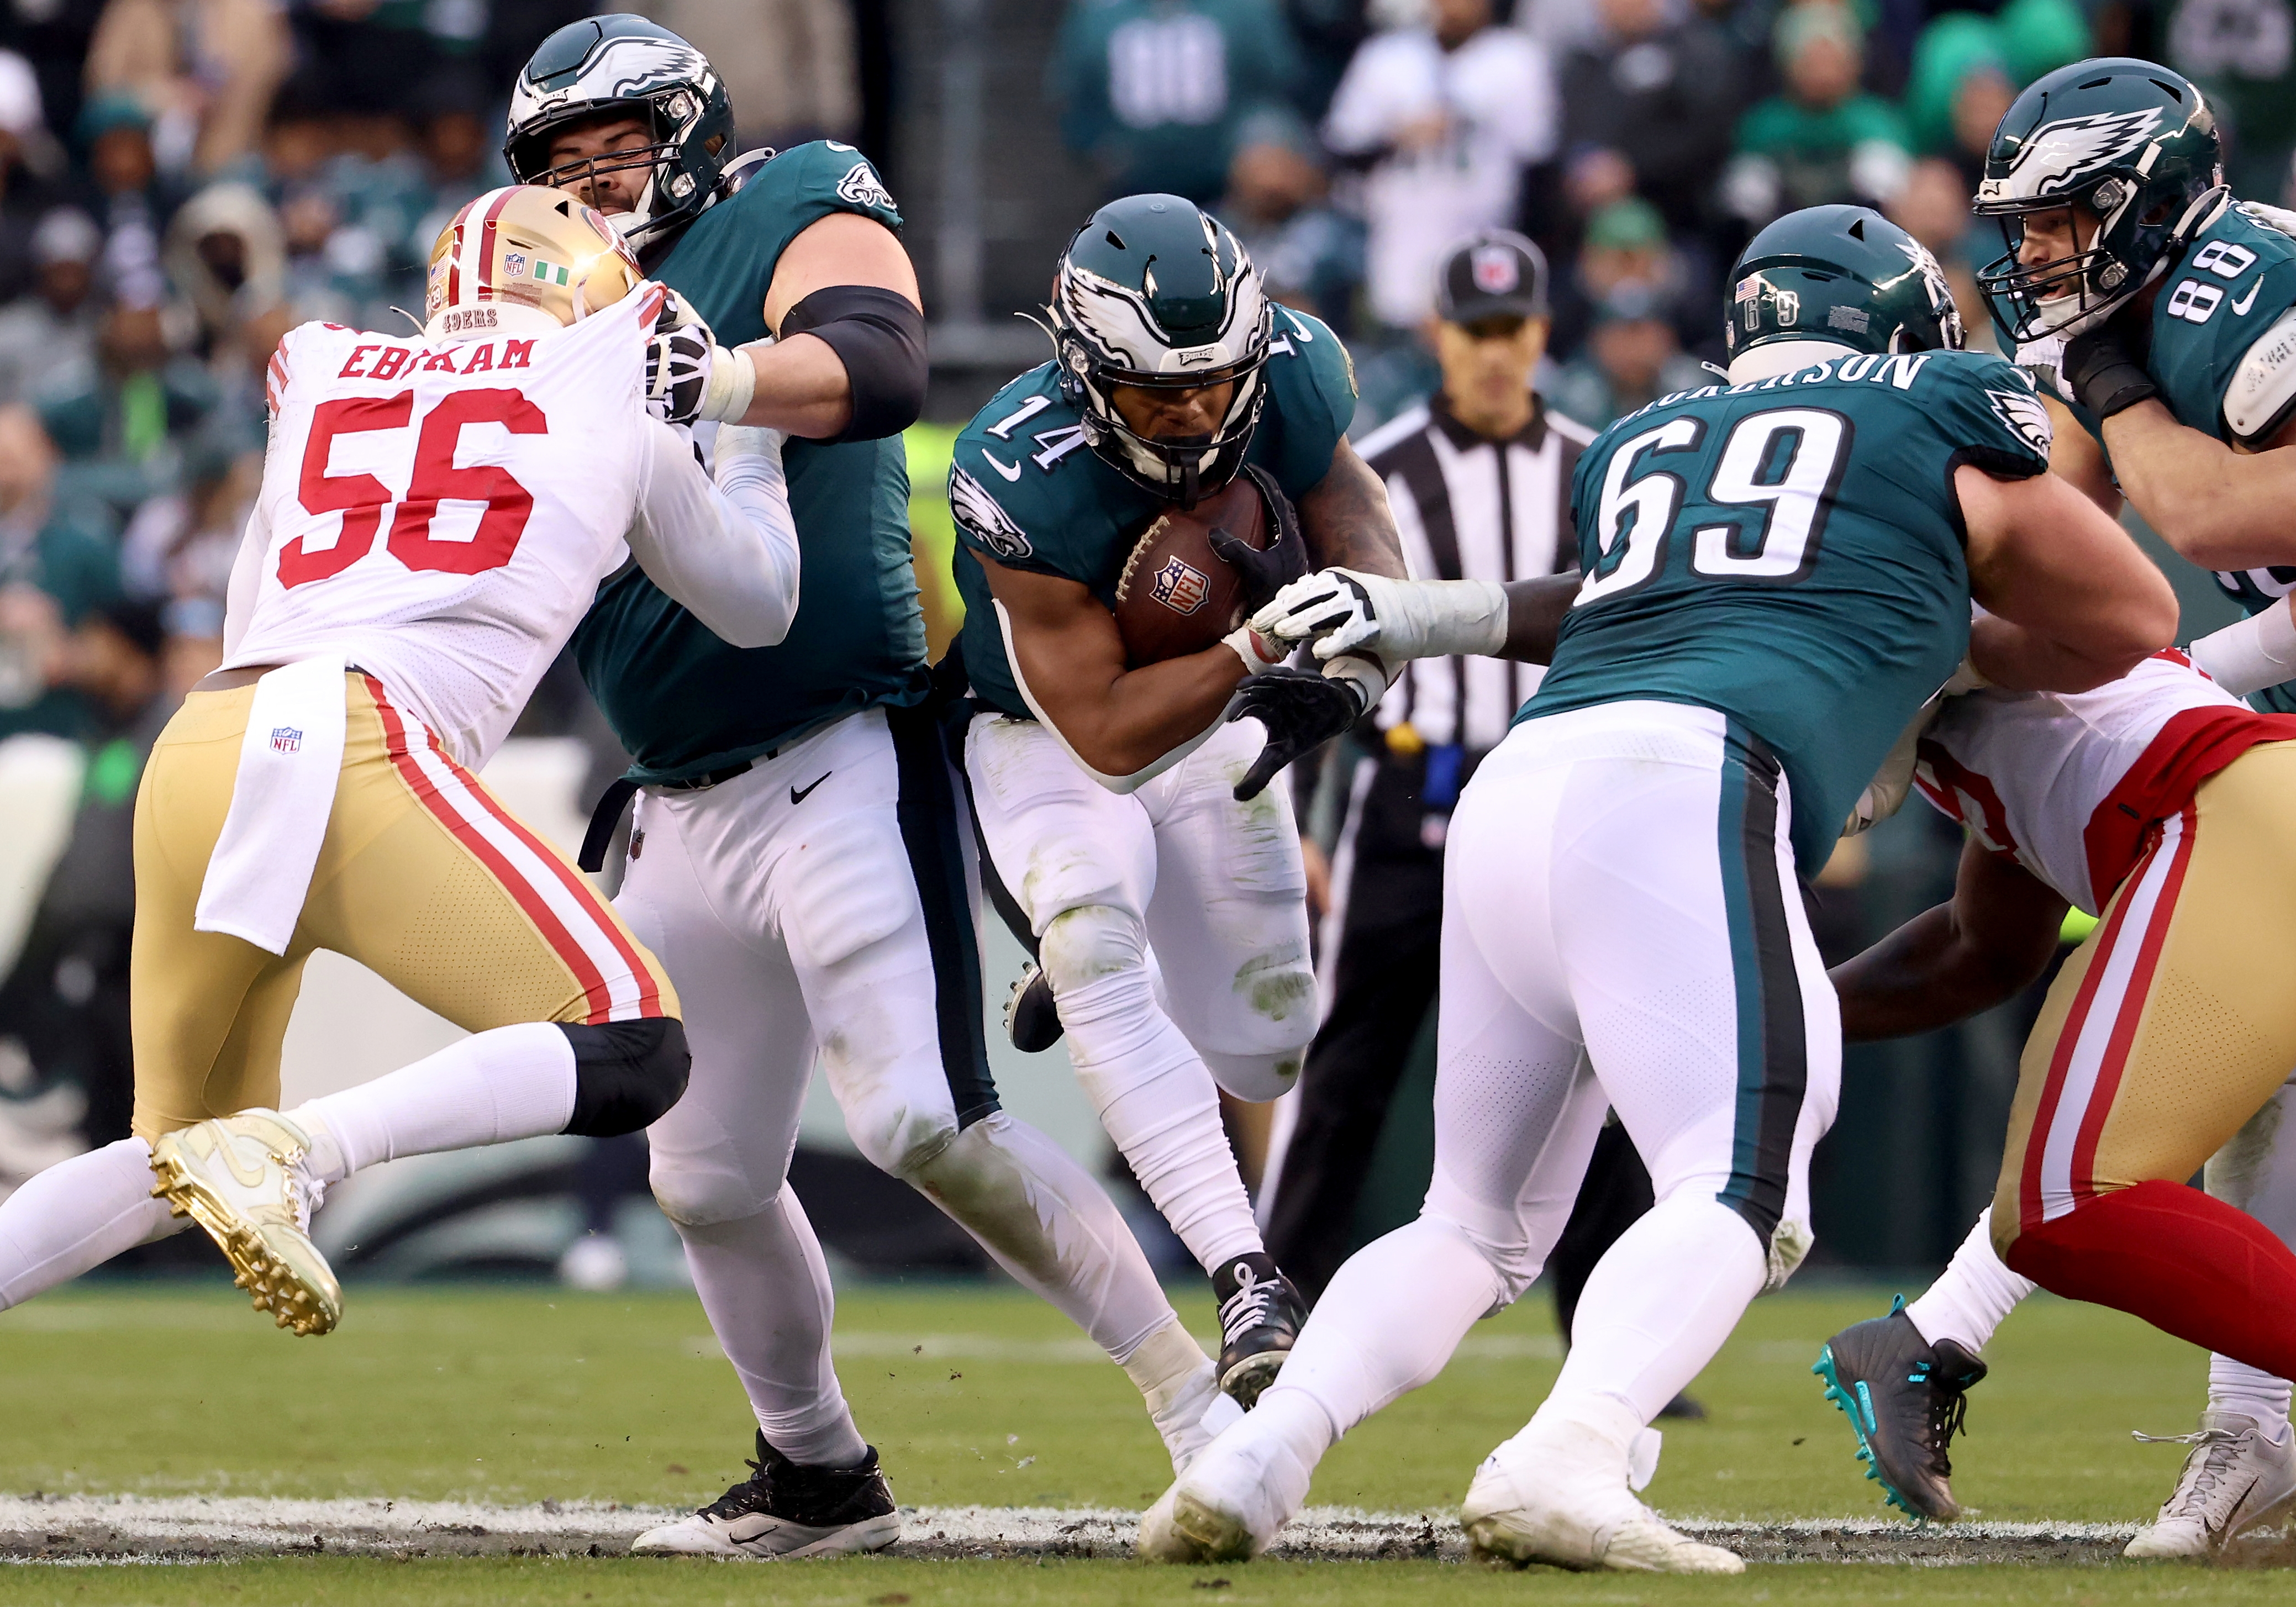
<point>1177,595</point>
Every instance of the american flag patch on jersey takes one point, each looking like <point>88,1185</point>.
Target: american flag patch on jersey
<point>286,738</point>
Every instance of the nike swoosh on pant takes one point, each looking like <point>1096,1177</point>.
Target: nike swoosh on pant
<point>796,797</point>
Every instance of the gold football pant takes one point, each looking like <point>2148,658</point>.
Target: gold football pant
<point>423,877</point>
<point>2176,1019</point>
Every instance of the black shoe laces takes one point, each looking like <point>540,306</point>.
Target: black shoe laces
<point>1948,1410</point>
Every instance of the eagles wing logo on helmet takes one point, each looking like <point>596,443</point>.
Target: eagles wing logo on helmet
<point>654,64</point>
<point>2027,419</point>
<point>979,515</point>
<point>2053,159</point>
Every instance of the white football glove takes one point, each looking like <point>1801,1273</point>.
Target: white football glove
<point>1346,611</point>
<point>1885,794</point>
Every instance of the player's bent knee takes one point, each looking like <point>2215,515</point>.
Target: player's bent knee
<point>898,1138</point>
<point>627,1074</point>
<point>1090,943</point>
<point>1256,1078</point>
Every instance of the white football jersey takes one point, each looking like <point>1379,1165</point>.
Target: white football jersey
<point>2069,784</point>
<point>442,513</point>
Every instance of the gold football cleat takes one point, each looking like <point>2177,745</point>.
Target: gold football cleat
<point>243,1178</point>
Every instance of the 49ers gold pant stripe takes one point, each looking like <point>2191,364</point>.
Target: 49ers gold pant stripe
<point>423,878</point>
<point>2176,1019</point>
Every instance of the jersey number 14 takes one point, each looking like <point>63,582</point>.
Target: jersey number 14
<point>1782,465</point>
<point>361,498</point>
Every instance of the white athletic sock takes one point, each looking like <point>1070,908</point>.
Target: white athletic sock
<point>512,1082</point>
<point>765,1288</point>
<point>1659,1304</point>
<point>1050,1226</point>
<point>1160,1107</point>
<point>1394,1313</point>
<point>1975,1292</point>
<point>77,1215</point>
<point>2237,1387</point>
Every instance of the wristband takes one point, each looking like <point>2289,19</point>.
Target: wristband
<point>732,383</point>
<point>2101,374</point>
<point>2257,653</point>
<point>1471,618</point>
<point>1258,652</point>
<point>1361,672</point>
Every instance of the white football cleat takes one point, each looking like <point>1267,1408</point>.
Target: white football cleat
<point>1559,1493</point>
<point>246,1179</point>
<point>2234,1478</point>
<point>1233,1497</point>
<point>1191,1414</point>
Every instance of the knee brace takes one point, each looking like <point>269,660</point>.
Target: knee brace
<point>1093,941</point>
<point>627,1074</point>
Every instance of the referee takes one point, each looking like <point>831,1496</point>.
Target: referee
<point>1479,476</point>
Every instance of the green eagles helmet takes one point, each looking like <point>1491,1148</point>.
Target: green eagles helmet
<point>628,64</point>
<point>1843,274</point>
<point>1154,292</point>
<point>2131,143</point>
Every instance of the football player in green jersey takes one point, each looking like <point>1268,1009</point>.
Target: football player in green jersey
<point>1777,572</point>
<point>1123,806</point>
<point>796,860</point>
<point>2163,311</point>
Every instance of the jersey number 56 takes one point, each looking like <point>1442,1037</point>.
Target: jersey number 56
<point>361,498</point>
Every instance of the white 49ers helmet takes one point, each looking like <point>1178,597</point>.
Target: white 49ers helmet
<point>527,258</point>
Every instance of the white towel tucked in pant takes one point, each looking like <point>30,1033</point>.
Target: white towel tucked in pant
<point>284,790</point>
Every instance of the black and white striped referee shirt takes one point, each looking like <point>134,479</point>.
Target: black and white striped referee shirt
<point>1468,507</point>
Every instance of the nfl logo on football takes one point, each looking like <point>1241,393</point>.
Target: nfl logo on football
<point>1181,587</point>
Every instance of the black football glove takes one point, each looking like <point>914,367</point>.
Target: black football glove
<point>2102,370</point>
<point>1265,570</point>
<point>677,373</point>
<point>1302,710</point>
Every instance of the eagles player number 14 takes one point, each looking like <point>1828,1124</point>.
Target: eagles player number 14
<point>1786,462</point>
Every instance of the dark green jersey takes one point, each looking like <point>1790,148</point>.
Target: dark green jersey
<point>2231,287</point>
<point>1028,492</point>
<point>684,701</point>
<point>1789,552</point>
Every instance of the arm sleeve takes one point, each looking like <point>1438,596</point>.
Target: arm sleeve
<point>246,577</point>
<point>727,552</point>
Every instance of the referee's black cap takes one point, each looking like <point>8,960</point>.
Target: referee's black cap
<point>1492,273</point>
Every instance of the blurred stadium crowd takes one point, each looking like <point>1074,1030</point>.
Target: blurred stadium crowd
<point>181,181</point>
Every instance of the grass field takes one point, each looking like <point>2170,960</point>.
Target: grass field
<point>976,1396</point>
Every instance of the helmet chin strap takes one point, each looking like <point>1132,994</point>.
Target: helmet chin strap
<point>633,221</point>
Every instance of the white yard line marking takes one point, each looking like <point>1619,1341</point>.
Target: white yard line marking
<point>81,1528</point>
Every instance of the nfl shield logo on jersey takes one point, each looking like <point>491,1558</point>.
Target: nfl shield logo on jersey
<point>286,738</point>
<point>1181,587</point>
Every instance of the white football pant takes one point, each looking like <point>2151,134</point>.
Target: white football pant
<point>1623,929</point>
<point>821,899</point>
<point>1172,925</point>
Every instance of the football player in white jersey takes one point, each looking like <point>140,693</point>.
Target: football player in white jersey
<point>436,513</point>
<point>2157,802</point>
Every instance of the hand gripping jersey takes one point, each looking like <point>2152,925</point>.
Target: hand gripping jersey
<point>1789,552</point>
<point>2234,289</point>
<point>1028,493</point>
<point>443,513</point>
<point>682,701</point>
<point>2070,785</point>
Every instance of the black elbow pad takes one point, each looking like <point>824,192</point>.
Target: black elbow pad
<point>880,340</point>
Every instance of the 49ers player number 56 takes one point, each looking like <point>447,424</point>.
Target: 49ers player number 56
<point>437,512</point>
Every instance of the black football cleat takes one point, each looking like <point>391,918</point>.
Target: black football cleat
<point>1260,1315</point>
<point>785,1511</point>
<point>1033,1021</point>
<point>1906,1399</point>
